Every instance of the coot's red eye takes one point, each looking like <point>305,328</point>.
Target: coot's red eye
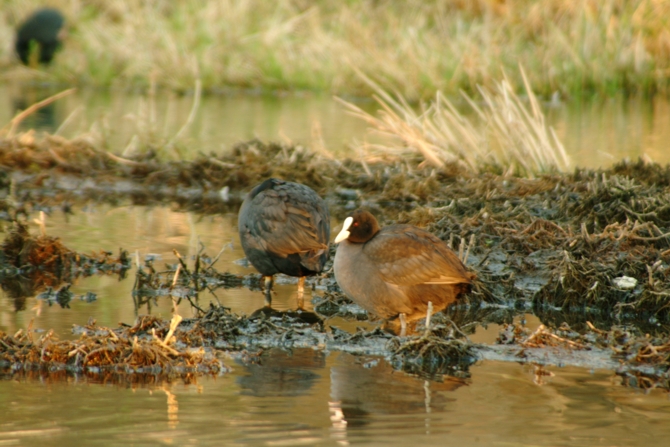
<point>355,224</point>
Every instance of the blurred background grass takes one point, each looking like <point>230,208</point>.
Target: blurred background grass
<point>415,48</point>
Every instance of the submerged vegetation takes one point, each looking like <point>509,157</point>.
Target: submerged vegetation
<point>416,48</point>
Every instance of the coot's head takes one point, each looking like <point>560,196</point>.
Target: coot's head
<point>358,228</point>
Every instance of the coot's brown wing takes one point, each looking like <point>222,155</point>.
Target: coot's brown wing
<point>407,256</point>
<point>285,226</point>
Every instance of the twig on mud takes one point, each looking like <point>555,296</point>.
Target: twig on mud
<point>429,313</point>
<point>216,258</point>
<point>188,297</point>
<point>42,223</point>
<point>223,164</point>
<point>182,263</point>
<point>470,245</point>
<point>198,308</point>
<point>176,276</point>
<point>174,282</point>
<point>654,238</point>
<point>176,319</point>
<point>538,222</point>
<point>595,329</point>
<point>163,344</point>
<point>121,160</point>
<point>638,215</point>
<point>458,329</point>
<point>534,339</point>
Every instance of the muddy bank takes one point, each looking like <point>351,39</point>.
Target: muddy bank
<point>587,249</point>
<point>167,350</point>
<point>568,241</point>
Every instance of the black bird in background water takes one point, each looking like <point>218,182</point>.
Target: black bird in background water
<point>40,33</point>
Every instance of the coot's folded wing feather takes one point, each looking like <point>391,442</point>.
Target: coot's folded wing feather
<point>408,256</point>
<point>284,227</point>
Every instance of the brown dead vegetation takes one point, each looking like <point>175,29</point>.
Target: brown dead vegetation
<point>33,264</point>
<point>573,235</point>
<point>145,347</point>
<point>590,246</point>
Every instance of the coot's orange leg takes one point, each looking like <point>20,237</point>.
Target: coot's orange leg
<point>268,290</point>
<point>403,324</point>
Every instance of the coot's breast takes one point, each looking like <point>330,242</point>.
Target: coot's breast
<point>362,282</point>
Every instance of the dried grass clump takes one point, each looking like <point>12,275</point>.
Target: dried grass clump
<point>588,274</point>
<point>148,346</point>
<point>611,199</point>
<point>432,355</point>
<point>503,133</point>
<point>542,337</point>
<point>246,164</point>
<point>33,264</point>
<point>47,262</point>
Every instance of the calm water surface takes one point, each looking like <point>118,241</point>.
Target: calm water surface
<point>595,134</point>
<point>305,397</point>
<point>309,399</point>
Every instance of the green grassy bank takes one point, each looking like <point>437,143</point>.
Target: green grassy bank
<point>576,48</point>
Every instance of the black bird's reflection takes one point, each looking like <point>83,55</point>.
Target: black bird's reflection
<point>282,373</point>
<point>361,390</point>
<point>18,289</point>
<point>43,118</point>
<point>299,316</point>
<point>46,118</point>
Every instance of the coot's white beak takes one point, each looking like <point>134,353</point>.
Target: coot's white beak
<point>342,235</point>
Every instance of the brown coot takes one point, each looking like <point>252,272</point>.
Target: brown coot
<point>40,32</point>
<point>284,228</point>
<point>397,269</point>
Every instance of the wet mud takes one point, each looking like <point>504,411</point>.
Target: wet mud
<point>586,252</point>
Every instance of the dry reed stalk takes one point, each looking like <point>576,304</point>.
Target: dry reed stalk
<point>502,131</point>
<point>19,117</point>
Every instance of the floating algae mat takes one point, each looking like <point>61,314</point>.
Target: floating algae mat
<point>586,252</point>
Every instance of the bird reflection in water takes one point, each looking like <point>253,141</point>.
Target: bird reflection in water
<point>280,373</point>
<point>362,390</point>
<point>44,118</point>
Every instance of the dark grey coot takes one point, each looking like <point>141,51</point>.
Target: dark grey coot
<point>284,228</point>
<point>396,270</point>
<point>43,29</point>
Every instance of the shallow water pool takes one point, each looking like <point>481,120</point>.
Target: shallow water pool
<point>298,397</point>
<point>303,396</point>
